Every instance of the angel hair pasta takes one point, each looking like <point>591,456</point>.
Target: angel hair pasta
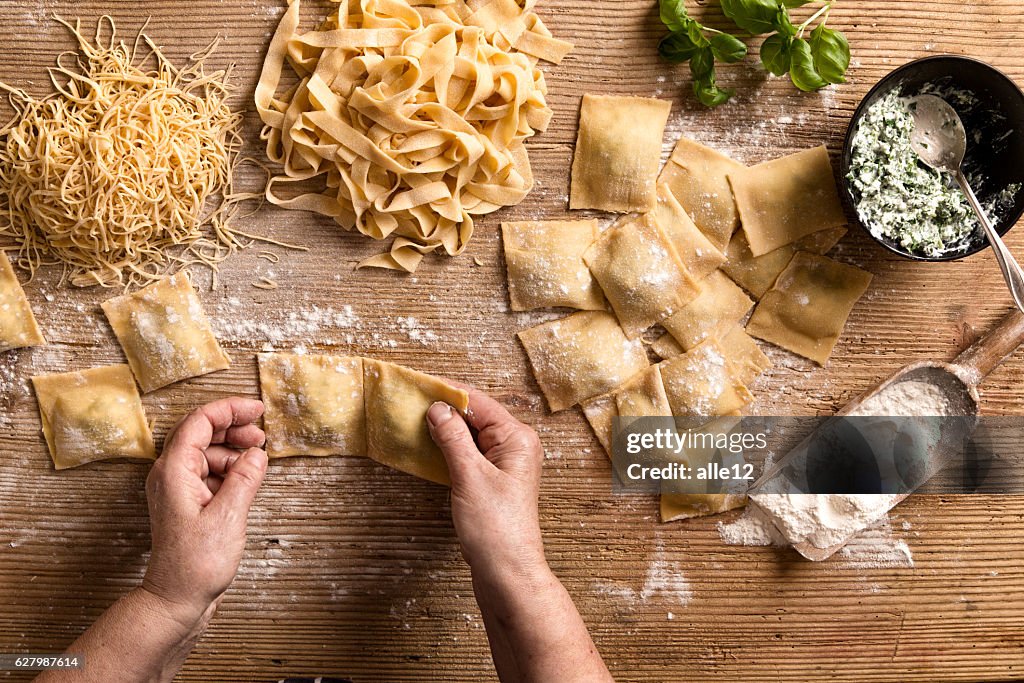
<point>109,176</point>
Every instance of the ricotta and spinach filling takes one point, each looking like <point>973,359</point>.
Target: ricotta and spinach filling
<point>901,198</point>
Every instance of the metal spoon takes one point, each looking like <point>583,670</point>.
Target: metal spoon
<point>940,141</point>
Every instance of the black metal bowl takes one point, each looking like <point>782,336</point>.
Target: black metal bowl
<point>1002,161</point>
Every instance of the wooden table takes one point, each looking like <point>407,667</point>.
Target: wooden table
<point>354,570</point>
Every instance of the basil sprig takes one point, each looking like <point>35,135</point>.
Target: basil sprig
<point>812,62</point>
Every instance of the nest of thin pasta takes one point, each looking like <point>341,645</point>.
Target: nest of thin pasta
<point>125,171</point>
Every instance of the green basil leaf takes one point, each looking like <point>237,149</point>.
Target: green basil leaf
<point>831,53</point>
<point>783,25</point>
<point>801,67</point>
<point>696,33</point>
<point>676,47</point>
<point>702,64</point>
<point>673,14</point>
<point>709,94</point>
<point>775,54</point>
<point>792,4</point>
<point>727,48</point>
<point>754,16</point>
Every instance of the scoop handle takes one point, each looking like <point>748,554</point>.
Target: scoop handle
<point>985,355</point>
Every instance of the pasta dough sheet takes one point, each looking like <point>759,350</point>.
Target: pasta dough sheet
<point>18,326</point>
<point>545,265</point>
<point>314,404</point>
<point>581,356</point>
<point>806,310</point>
<point>696,252</point>
<point>396,400</point>
<point>93,415</point>
<point>720,305</point>
<point>165,333</point>
<point>757,274</point>
<point>640,273</point>
<point>703,383</point>
<point>782,200</point>
<point>618,151</point>
<point>698,178</point>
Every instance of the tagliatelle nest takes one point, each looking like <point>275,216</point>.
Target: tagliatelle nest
<point>110,175</point>
<point>411,114</point>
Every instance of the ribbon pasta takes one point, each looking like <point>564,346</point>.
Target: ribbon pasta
<point>411,114</point>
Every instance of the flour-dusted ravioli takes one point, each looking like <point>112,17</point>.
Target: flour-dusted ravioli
<point>93,415</point>
<point>545,265</point>
<point>640,273</point>
<point>703,383</point>
<point>688,505</point>
<point>720,305</point>
<point>739,347</point>
<point>697,177</point>
<point>581,356</point>
<point>696,252</point>
<point>396,400</point>
<point>18,326</point>
<point>641,396</point>
<point>806,310</point>
<point>165,333</point>
<point>782,200</point>
<point>757,274</point>
<point>314,404</point>
<point>618,151</point>
<point>747,358</point>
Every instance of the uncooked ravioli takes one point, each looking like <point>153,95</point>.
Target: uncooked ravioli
<point>91,415</point>
<point>618,150</point>
<point>18,326</point>
<point>165,334</point>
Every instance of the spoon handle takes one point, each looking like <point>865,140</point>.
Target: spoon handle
<point>1007,263</point>
<point>987,353</point>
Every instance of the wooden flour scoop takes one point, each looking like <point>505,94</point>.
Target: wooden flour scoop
<point>958,382</point>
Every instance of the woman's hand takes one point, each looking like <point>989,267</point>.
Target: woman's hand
<point>535,630</point>
<point>199,492</point>
<point>494,485</point>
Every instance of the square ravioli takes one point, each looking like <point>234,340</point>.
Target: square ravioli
<point>703,383</point>
<point>698,178</point>
<point>18,326</point>
<point>544,260</point>
<point>782,200</point>
<point>806,310</point>
<point>739,347</point>
<point>720,305</point>
<point>396,400</point>
<point>640,273</point>
<point>314,404</point>
<point>757,274</point>
<point>696,252</point>
<point>581,356</point>
<point>164,333</point>
<point>618,151</point>
<point>688,505</point>
<point>641,396</point>
<point>93,415</point>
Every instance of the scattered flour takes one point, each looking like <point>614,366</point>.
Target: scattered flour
<point>664,578</point>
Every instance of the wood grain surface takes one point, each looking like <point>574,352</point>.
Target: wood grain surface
<point>354,570</point>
